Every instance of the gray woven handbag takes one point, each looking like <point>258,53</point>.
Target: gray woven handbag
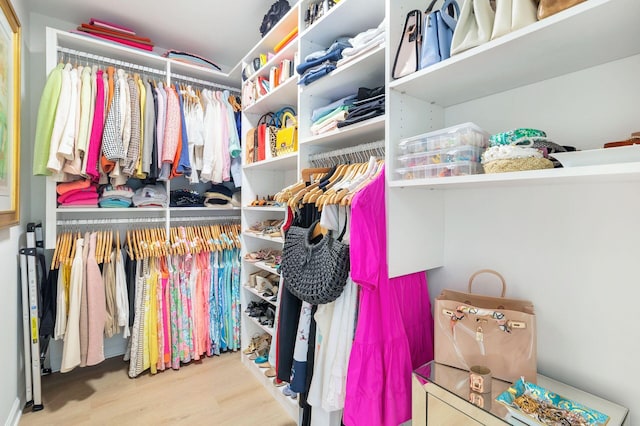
<point>315,273</point>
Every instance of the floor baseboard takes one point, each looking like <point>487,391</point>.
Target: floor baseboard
<point>14,415</point>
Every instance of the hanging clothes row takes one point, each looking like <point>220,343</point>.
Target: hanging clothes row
<point>328,351</point>
<point>110,124</point>
<point>176,296</point>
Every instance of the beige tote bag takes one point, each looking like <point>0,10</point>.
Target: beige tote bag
<point>474,25</point>
<point>494,332</point>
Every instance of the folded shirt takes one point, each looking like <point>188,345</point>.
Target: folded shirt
<point>366,36</point>
<point>339,43</point>
<point>115,203</point>
<point>120,191</point>
<point>310,77</point>
<point>365,115</point>
<point>318,113</point>
<point>79,194</point>
<point>150,195</point>
<point>215,199</point>
<point>327,126</point>
<point>329,122</point>
<point>358,52</point>
<point>80,203</point>
<point>185,198</point>
<point>333,55</point>
<point>62,188</point>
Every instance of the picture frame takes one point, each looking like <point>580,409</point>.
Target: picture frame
<point>10,73</point>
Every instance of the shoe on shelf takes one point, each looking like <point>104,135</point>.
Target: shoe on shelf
<point>271,372</point>
<point>278,383</point>
<point>261,360</point>
<point>265,365</point>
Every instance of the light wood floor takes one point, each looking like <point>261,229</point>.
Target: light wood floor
<point>216,391</point>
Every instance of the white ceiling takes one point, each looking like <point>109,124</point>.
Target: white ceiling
<point>222,31</point>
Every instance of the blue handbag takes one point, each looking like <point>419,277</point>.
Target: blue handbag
<point>438,30</point>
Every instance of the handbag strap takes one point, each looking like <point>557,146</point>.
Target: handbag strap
<point>430,7</point>
<point>450,12</point>
<point>263,119</point>
<point>346,218</point>
<point>287,115</point>
<point>489,271</point>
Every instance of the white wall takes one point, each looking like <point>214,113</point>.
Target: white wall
<point>572,250</point>
<point>11,357</point>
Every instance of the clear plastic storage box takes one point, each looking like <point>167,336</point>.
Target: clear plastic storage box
<point>440,156</point>
<point>467,134</point>
<point>461,168</point>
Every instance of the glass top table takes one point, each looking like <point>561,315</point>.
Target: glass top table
<point>456,382</point>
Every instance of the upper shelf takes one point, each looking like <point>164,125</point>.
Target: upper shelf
<point>139,57</point>
<point>572,40</point>
<point>286,53</point>
<point>600,173</point>
<point>366,71</point>
<point>276,34</point>
<point>348,17</point>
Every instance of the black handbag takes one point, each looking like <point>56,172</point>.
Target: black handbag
<point>273,15</point>
<point>314,272</point>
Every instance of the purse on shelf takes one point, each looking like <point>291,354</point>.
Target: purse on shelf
<point>287,136</point>
<point>251,144</point>
<point>261,139</point>
<point>407,58</point>
<point>315,272</point>
<point>273,127</point>
<point>474,27</point>
<point>512,15</point>
<point>438,31</point>
<point>547,8</point>
<point>494,332</point>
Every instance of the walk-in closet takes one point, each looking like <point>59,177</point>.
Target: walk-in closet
<point>319,212</point>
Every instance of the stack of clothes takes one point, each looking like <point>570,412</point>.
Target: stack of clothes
<point>99,28</point>
<point>320,63</point>
<point>219,196</point>
<point>366,104</point>
<point>185,198</point>
<point>79,193</point>
<point>363,43</point>
<point>116,197</point>
<point>150,196</point>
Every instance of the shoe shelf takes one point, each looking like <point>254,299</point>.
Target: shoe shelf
<point>290,405</point>
<point>263,266</point>
<point>256,322</point>
<point>279,240</point>
<point>255,292</point>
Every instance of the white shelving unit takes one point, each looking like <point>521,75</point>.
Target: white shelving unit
<point>559,236</point>
<point>163,69</point>
<point>266,178</point>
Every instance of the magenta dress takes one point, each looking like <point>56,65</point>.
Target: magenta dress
<point>394,334</point>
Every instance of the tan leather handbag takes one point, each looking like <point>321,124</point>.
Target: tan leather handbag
<point>551,7</point>
<point>494,332</point>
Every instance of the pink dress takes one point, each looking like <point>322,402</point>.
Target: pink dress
<point>394,334</point>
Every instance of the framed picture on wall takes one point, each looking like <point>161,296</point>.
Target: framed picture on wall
<point>10,42</point>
